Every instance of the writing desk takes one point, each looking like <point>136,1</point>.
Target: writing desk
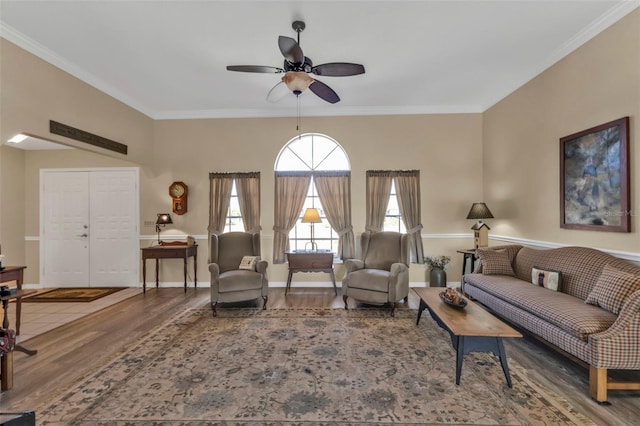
<point>310,261</point>
<point>169,252</point>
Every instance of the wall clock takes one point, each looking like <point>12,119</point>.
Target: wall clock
<point>179,192</point>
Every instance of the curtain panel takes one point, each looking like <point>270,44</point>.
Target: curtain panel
<point>248,188</point>
<point>408,193</point>
<point>378,186</point>
<point>290,193</point>
<point>334,190</point>
<point>220,185</point>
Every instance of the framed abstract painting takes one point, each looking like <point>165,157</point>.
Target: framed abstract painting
<point>594,178</point>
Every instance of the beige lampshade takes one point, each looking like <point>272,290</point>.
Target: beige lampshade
<point>311,215</point>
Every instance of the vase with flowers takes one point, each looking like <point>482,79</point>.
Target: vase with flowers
<point>437,275</point>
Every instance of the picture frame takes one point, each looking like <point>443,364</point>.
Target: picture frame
<point>594,178</point>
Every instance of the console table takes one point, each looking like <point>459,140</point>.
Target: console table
<point>169,252</point>
<point>310,261</point>
<point>14,273</point>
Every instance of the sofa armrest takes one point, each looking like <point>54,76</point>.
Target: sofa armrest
<point>351,265</point>
<point>619,346</point>
<point>214,271</point>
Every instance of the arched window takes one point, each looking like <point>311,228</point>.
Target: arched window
<point>312,152</point>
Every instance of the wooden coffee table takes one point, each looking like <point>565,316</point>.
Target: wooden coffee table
<point>472,329</point>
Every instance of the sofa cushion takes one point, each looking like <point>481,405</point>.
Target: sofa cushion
<point>566,312</point>
<point>613,288</point>
<point>495,262</point>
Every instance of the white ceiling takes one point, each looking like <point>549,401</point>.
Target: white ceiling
<point>167,58</point>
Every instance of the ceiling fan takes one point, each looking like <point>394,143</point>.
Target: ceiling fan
<point>297,68</point>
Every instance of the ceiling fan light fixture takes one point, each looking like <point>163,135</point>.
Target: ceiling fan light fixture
<point>297,81</point>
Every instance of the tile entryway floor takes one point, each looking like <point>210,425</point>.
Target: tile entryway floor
<point>38,318</point>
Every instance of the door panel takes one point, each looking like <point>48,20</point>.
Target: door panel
<point>66,222</point>
<point>114,231</point>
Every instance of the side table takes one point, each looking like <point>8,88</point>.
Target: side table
<point>467,254</point>
<point>170,252</point>
<point>310,261</point>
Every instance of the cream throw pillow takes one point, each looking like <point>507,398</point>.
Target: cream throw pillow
<point>249,262</point>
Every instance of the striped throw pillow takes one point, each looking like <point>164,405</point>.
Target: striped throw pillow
<point>613,288</point>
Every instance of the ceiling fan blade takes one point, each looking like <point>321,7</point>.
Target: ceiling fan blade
<point>254,68</point>
<point>323,91</point>
<point>278,92</point>
<point>290,50</point>
<point>338,69</point>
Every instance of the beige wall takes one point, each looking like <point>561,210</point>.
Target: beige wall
<point>597,83</point>
<point>507,156</point>
<point>445,148</point>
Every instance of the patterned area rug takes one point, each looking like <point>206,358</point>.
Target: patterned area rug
<point>303,367</point>
<point>79,294</point>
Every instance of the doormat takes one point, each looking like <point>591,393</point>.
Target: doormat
<point>78,294</point>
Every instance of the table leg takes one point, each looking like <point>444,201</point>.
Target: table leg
<point>503,360</point>
<point>6,370</point>
<point>422,307</point>
<point>144,275</point>
<point>157,273</point>
<point>18,305</point>
<point>288,286</point>
<point>195,269</point>
<point>185,272</point>
<point>459,357</point>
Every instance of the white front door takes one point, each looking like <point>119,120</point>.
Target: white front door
<point>90,228</point>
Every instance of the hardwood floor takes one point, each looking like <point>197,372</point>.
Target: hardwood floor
<point>69,352</point>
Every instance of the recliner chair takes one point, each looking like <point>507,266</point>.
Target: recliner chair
<point>382,276</point>
<point>229,283</point>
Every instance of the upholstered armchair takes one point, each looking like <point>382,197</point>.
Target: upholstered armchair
<point>229,283</point>
<point>382,275</point>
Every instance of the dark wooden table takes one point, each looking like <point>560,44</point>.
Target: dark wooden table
<point>170,252</point>
<point>310,261</point>
<point>472,329</point>
<point>14,273</point>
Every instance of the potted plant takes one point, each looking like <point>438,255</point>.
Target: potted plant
<point>437,275</point>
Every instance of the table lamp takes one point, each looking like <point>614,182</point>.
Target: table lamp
<point>480,229</point>
<point>164,219</point>
<point>311,216</point>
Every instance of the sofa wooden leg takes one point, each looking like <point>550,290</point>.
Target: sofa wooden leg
<point>598,383</point>
<point>393,309</point>
<point>344,299</point>
<point>264,305</point>
<point>213,308</point>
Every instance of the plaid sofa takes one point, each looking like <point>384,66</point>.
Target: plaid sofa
<point>598,337</point>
